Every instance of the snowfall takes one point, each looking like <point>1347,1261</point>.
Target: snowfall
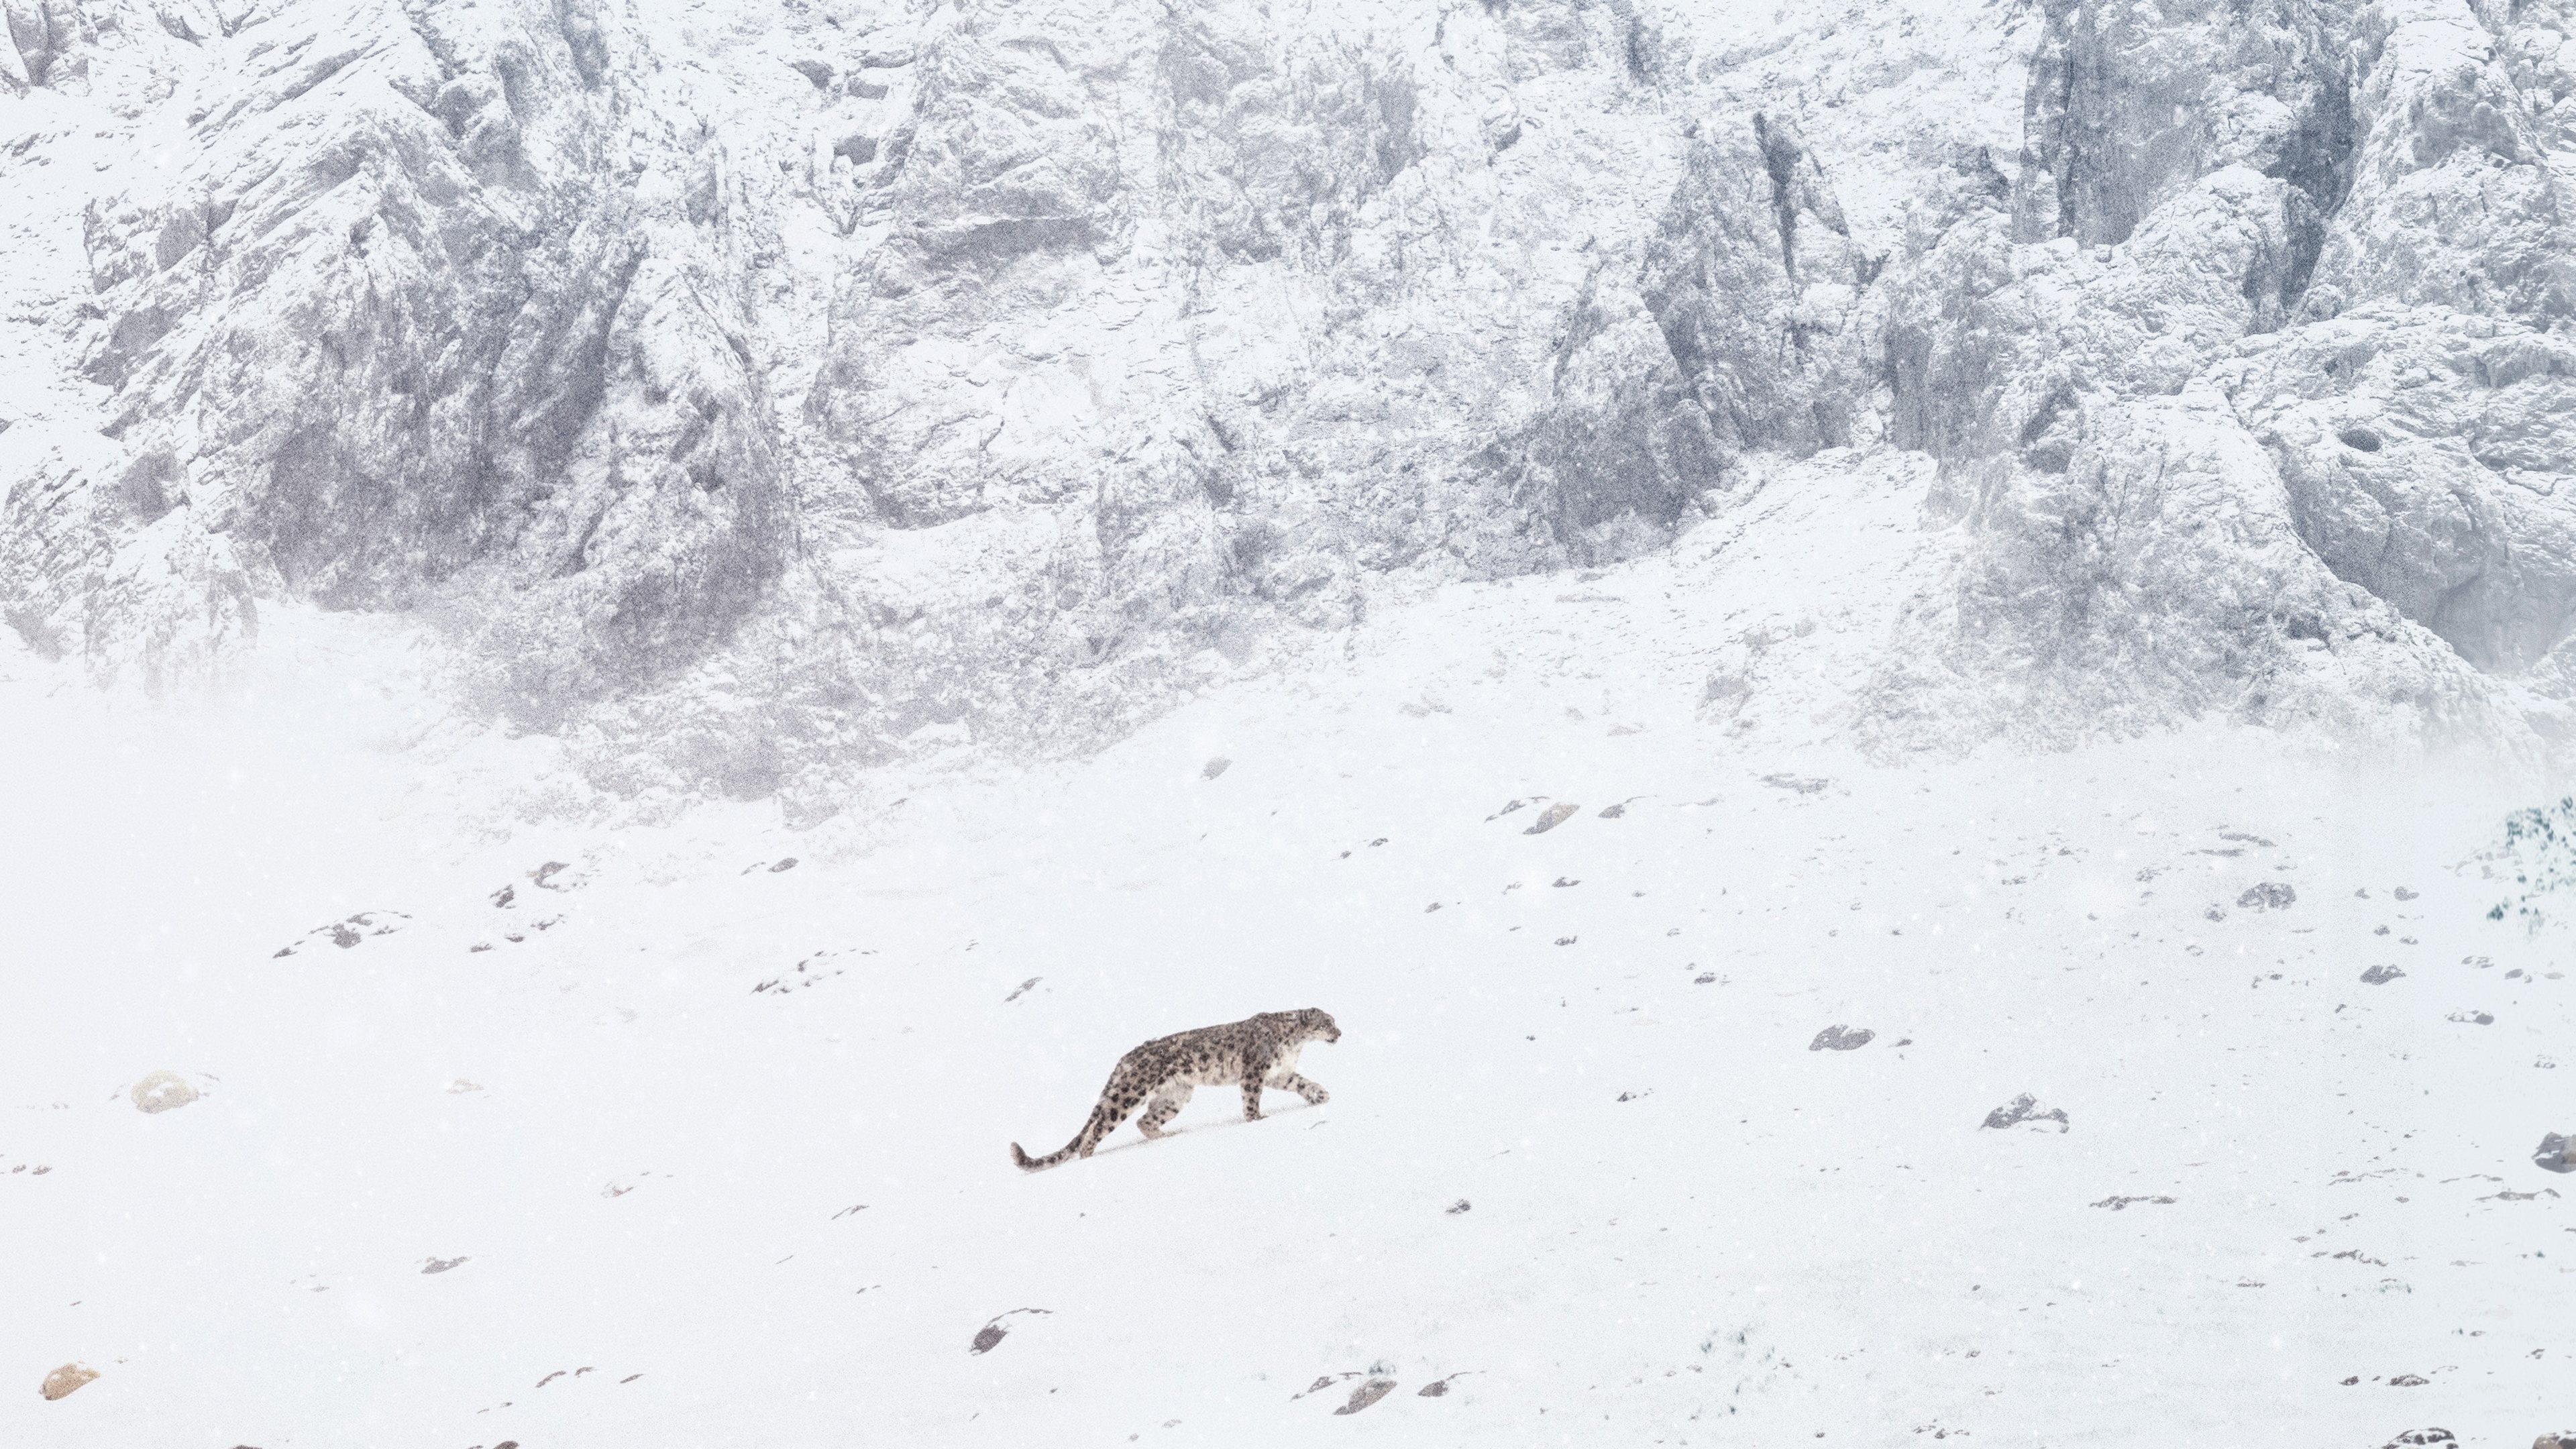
<point>350,1102</point>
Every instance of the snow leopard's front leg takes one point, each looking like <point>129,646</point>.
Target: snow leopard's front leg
<point>1313,1091</point>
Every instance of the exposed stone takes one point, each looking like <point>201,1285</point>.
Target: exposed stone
<point>2556,1153</point>
<point>1368,1392</point>
<point>1552,817</point>
<point>2025,1110</point>
<point>162,1092</point>
<point>2270,895</point>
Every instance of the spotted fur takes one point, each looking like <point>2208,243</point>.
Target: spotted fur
<point>1256,1052</point>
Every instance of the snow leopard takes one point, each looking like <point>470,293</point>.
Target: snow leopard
<point>1256,1052</point>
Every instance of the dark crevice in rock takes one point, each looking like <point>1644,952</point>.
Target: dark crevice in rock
<point>1780,155</point>
<point>2317,163</point>
<point>1394,101</point>
<point>2050,159</point>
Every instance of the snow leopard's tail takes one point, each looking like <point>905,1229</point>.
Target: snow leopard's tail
<point>1104,1120</point>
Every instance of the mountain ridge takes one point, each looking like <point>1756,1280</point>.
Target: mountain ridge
<point>742,392</point>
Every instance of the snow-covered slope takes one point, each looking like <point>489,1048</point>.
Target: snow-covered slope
<point>741,391</point>
<point>650,1137</point>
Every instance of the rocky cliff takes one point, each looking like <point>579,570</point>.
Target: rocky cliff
<point>750,388</point>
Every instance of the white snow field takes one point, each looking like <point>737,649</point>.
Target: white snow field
<point>705,1150</point>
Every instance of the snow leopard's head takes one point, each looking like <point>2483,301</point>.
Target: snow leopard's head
<point>1317,1026</point>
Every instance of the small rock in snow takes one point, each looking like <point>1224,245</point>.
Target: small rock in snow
<point>1608,812</point>
<point>2416,1438</point>
<point>2481,1018</point>
<point>2025,1110</point>
<point>1215,767</point>
<point>2415,1381</point>
<point>788,864</point>
<point>162,1091</point>
<point>1840,1038</point>
<point>1460,1206</point>
<point>2381,975</point>
<point>1562,882</point>
<point>1366,1394</point>
<point>2271,895</point>
<point>2557,1153</point>
<point>1552,817</point>
<point>441,1265</point>
<point>2404,894</point>
<point>348,932</point>
<point>64,1380</point>
<point>2116,1203</point>
<point>993,1331</point>
<point>1801,784</point>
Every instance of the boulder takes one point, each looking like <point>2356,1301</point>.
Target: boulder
<point>2557,1153</point>
<point>2025,1111</point>
<point>162,1092</point>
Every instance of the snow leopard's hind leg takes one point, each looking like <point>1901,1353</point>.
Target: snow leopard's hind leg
<point>1164,1106</point>
<point>1313,1091</point>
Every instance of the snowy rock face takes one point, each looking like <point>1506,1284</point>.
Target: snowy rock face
<point>750,389</point>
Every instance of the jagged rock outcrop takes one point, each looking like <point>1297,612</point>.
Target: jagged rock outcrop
<point>2214,415</point>
<point>747,395</point>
